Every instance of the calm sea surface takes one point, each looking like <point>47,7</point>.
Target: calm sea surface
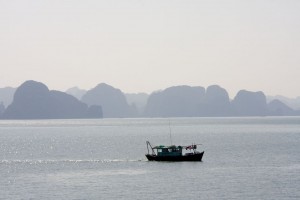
<point>245,158</point>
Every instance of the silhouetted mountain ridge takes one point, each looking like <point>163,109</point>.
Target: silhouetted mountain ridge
<point>33,100</point>
<point>186,101</point>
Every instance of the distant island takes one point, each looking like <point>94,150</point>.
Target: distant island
<point>33,100</point>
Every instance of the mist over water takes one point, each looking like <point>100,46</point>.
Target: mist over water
<point>245,158</point>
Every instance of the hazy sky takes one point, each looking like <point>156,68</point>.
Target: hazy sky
<point>146,45</point>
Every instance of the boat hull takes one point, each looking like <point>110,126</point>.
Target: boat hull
<point>189,157</point>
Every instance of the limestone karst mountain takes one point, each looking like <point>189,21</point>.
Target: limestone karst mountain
<point>278,108</point>
<point>33,100</point>
<point>112,101</point>
<point>248,103</point>
<point>177,101</point>
<point>216,102</point>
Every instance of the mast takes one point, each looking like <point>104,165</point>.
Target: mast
<point>170,133</point>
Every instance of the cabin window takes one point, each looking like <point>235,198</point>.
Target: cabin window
<point>159,150</point>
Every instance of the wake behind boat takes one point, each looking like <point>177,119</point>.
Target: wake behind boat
<point>173,153</point>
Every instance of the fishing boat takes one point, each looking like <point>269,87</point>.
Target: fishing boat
<point>173,153</point>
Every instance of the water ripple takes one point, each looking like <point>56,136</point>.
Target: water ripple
<point>66,161</point>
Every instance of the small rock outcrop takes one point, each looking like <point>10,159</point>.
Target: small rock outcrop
<point>7,95</point>
<point>137,99</point>
<point>2,109</point>
<point>94,111</point>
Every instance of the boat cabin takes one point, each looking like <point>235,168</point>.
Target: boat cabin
<point>168,150</point>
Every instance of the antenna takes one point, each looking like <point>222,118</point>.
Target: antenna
<point>170,132</point>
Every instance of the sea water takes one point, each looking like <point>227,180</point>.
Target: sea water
<point>245,158</point>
